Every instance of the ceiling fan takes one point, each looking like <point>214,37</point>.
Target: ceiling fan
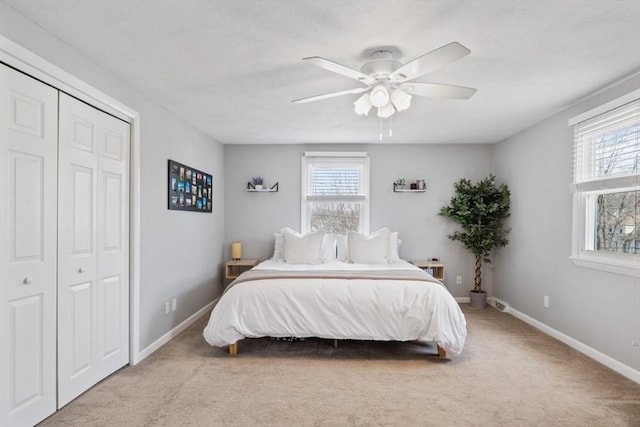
<point>390,84</point>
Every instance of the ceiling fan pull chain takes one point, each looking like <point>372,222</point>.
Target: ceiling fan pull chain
<point>390,126</point>
<point>380,128</point>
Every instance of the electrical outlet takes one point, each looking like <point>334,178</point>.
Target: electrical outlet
<point>167,308</point>
<point>635,344</point>
<point>546,301</point>
<point>174,304</point>
<point>458,280</point>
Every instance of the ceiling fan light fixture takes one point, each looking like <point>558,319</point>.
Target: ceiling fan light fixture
<point>379,96</point>
<point>363,105</point>
<point>400,99</point>
<point>386,111</point>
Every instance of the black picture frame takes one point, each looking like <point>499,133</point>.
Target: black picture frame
<point>189,189</point>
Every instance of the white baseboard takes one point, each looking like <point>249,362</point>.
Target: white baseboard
<point>602,358</point>
<point>462,300</point>
<point>172,333</point>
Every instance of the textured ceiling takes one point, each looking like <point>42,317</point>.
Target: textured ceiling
<point>232,67</point>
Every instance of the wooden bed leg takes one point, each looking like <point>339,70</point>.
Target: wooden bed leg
<point>233,349</point>
<point>335,343</point>
<point>442,353</point>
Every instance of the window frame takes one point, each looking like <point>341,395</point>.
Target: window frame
<point>583,218</point>
<point>309,159</point>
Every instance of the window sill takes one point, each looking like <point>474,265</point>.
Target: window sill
<point>626,267</point>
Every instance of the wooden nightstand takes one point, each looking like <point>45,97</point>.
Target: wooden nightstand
<point>436,269</point>
<point>232,269</point>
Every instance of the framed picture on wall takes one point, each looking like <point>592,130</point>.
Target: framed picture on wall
<point>189,189</point>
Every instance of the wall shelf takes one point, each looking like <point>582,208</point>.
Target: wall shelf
<point>401,189</point>
<point>252,189</point>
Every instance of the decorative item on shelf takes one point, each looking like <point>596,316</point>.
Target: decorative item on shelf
<point>257,182</point>
<point>413,186</point>
<point>421,184</point>
<point>236,251</point>
<point>399,184</point>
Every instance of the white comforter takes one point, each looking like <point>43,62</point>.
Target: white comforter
<point>367,309</point>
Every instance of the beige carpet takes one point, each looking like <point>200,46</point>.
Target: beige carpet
<point>508,375</point>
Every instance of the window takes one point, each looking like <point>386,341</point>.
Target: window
<point>335,192</point>
<point>606,186</point>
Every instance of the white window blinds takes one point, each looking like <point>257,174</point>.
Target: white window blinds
<point>335,179</point>
<point>607,148</point>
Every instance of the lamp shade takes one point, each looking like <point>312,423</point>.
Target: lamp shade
<point>379,96</point>
<point>236,251</point>
<point>363,105</point>
<point>400,99</point>
<point>386,111</point>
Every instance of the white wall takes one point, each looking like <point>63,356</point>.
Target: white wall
<point>253,217</point>
<point>181,252</point>
<point>601,310</point>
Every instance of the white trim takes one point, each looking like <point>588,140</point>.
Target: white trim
<point>626,267</point>
<point>134,243</point>
<point>335,154</point>
<point>624,99</point>
<point>599,186</point>
<point>602,358</point>
<point>26,61</point>
<point>332,198</point>
<point>463,300</point>
<point>147,351</point>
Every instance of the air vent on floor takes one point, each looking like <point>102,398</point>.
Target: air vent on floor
<point>500,306</point>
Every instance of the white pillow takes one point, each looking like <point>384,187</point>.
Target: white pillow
<point>328,246</point>
<point>394,245</point>
<point>328,251</point>
<point>342,247</point>
<point>302,249</point>
<point>277,247</point>
<point>371,249</point>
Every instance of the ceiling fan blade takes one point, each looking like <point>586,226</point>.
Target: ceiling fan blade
<point>436,90</point>
<point>340,69</point>
<point>330,95</point>
<point>429,62</point>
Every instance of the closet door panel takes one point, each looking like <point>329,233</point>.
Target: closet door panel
<point>113,242</point>
<point>28,228</point>
<point>93,247</point>
<point>76,248</point>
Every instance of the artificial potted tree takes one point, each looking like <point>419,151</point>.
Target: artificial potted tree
<point>481,209</point>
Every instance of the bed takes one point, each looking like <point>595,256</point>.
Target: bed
<point>338,298</point>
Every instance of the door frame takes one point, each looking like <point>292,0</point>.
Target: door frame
<point>29,63</point>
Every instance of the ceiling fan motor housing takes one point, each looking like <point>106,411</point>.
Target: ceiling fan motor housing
<point>380,68</point>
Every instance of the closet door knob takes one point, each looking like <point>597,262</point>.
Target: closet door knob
<point>27,281</point>
<point>81,270</point>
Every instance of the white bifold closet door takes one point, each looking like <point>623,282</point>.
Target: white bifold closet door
<point>93,247</point>
<point>28,205</point>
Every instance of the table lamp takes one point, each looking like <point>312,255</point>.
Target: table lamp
<point>236,251</point>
